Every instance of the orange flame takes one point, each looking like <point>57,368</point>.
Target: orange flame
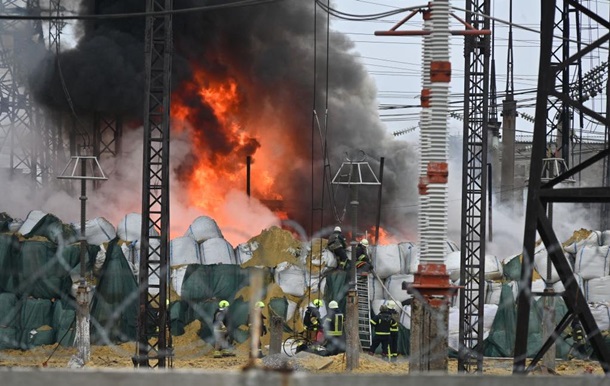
<point>221,144</point>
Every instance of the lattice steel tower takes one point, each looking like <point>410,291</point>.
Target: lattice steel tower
<point>474,183</point>
<point>154,339</point>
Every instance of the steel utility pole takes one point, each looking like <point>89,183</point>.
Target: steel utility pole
<point>154,338</point>
<point>354,174</point>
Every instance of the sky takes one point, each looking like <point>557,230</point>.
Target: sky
<point>394,62</point>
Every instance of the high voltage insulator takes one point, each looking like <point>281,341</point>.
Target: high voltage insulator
<point>404,131</point>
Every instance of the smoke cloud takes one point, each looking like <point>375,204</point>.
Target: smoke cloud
<point>275,56</point>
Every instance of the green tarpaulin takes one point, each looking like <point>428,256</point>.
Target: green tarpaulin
<point>114,312</point>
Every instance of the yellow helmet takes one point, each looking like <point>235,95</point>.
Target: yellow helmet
<point>223,304</point>
<point>259,304</point>
<point>318,302</point>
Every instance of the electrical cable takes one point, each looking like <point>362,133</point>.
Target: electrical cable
<point>205,8</point>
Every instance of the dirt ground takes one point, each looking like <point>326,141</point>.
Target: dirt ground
<point>199,356</point>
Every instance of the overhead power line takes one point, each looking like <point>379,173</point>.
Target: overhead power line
<point>204,8</point>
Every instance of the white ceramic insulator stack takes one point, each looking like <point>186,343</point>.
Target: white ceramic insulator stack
<point>424,124</point>
<point>435,232</point>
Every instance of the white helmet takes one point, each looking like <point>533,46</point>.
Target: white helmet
<point>364,242</point>
<point>390,304</point>
<point>337,229</point>
<point>333,304</point>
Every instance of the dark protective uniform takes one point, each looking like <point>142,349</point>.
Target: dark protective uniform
<point>221,339</point>
<point>393,354</point>
<point>333,332</point>
<point>382,324</point>
<point>337,245</point>
<point>363,261</point>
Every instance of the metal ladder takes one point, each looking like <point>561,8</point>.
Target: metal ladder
<point>364,311</point>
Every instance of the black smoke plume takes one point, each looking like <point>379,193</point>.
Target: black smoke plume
<point>276,55</point>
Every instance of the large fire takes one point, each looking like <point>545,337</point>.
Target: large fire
<point>213,114</point>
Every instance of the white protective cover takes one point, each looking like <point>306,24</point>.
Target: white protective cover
<point>598,290</point>
<point>591,262</point>
<point>394,286</point>
<point>97,230</point>
<point>31,220</point>
<point>217,251</point>
<point>183,251</point>
<point>291,279</point>
<point>203,228</point>
<point>405,316</point>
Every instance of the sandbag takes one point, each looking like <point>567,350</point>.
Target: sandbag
<point>33,218</point>
<point>594,239</point>
<point>183,251</point>
<point>592,262</point>
<point>291,279</point>
<point>394,286</point>
<point>130,228</point>
<point>601,314</point>
<point>177,277</point>
<point>217,251</point>
<point>203,228</point>
<point>388,259</point>
<point>97,230</point>
<point>598,290</point>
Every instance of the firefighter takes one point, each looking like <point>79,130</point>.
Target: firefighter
<point>258,308</point>
<point>333,329</point>
<point>393,354</point>
<point>363,261</point>
<point>337,245</point>
<point>313,321</point>
<point>221,324</point>
<point>382,323</point>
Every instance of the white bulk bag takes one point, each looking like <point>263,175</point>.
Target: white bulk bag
<point>217,251</point>
<point>130,228</point>
<point>592,262</point>
<point>493,292</point>
<point>290,310</point>
<point>594,239</point>
<point>183,251</point>
<point>394,286</point>
<point>409,253</point>
<point>244,252</point>
<point>31,220</point>
<point>387,260</point>
<point>598,290</point>
<point>97,231</point>
<point>376,291</point>
<point>606,237</point>
<point>177,277</point>
<point>601,314</point>
<point>291,279</point>
<point>559,287</point>
<point>405,316</point>
<point>203,228</point>
<point>453,262</point>
<point>541,261</point>
<point>493,268</point>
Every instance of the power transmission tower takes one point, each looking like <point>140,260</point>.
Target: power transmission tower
<point>474,182</point>
<point>154,338</point>
<point>19,143</point>
<point>540,195</point>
